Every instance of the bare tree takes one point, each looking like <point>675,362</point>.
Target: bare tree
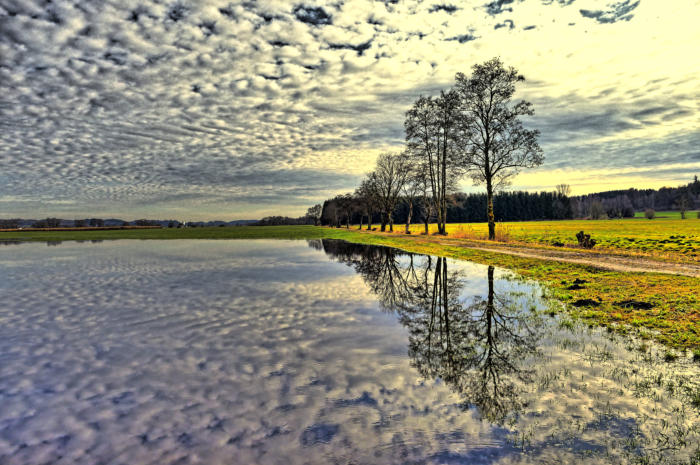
<point>315,214</point>
<point>389,177</point>
<point>367,198</point>
<point>563,190</point>
<point>361,206</point>
<point>411,192</point>
<point>498,146</point>
<point>433,137</point>
<point>345,204</point>
<point>682,202</point>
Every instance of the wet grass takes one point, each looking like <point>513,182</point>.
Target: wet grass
<point>673,319</point>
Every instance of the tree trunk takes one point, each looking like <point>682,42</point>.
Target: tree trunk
<point>383,227</point>
<point>426,226</point>
<point>369,221</point>
<point>444,196</point>
<point>408,218</point>
<point>391,223</point>
<point>362,218</point>
<point>489,210</point>
<point>490,277</point>
<point>439,213</point>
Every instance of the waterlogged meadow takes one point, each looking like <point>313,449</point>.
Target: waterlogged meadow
<point>317,352</point>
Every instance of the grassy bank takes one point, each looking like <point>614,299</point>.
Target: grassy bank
<point>674,316</point>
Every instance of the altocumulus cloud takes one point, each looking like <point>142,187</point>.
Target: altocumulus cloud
<point>212,108</point>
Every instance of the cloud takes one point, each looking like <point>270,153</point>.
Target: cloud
<point>462,38</point>
<point>312,15</point>
<point>620,11</point>
<point>507,23</point>
<point>499,6</point>
<point>447,8</point>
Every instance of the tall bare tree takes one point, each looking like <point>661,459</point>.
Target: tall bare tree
<point>367,196</point>
<point>413,189</point>
<point>433,136</point>
<point>346,203</point>
<point>683,201</point>
<point>497,144</point>
<point>564,190</point>
<point>315,214</point>
<point>389,176</point>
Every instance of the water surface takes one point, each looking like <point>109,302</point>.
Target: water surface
<point>267,352</point>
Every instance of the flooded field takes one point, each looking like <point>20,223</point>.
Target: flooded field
<point>321,352</point>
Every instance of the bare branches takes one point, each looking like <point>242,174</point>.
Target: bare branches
<point>473,128</point>
<point>497,145</point>
<point>433,143</point>
<point>388,179</point>
<point>314,213</point>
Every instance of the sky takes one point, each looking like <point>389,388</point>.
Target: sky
<point>213,109</point>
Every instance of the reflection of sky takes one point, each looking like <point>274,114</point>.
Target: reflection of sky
<point>267,352</point>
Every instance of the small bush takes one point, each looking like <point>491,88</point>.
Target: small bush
<point>467,232</point>
<point>502,233</point>
<point>670,357</point>
<point>696,355</point>
<point>584,240</point>
<point>649,213</point>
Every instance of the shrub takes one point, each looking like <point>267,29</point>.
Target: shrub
<point>467,232</point>
<point>649,213</point>
<point>584,240</point>
<point>502,233</point>
<point>696,355</point>
<point>670,356</point>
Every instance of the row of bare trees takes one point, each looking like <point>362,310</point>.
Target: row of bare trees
<point>473,129</point>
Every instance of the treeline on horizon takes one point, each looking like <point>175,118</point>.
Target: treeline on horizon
<point>517,206</point>
<point>461,208</point>
<point>51,222</point>
<point>557,205</point>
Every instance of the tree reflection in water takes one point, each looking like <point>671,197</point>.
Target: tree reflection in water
<point>476,345</point>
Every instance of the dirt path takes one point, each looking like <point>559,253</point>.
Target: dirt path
<point>598,260</point>
<point>601,260</point>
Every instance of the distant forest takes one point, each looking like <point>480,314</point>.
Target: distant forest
<point>527,206</point>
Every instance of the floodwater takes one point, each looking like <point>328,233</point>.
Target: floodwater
<point>288,352</point>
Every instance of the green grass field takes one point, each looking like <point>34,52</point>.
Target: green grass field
<point>676,215</point>
<point>668,238</point>
<point>240,232</point>
<point>673,320</point>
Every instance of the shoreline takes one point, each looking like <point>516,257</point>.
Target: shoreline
<point>655,305</point>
